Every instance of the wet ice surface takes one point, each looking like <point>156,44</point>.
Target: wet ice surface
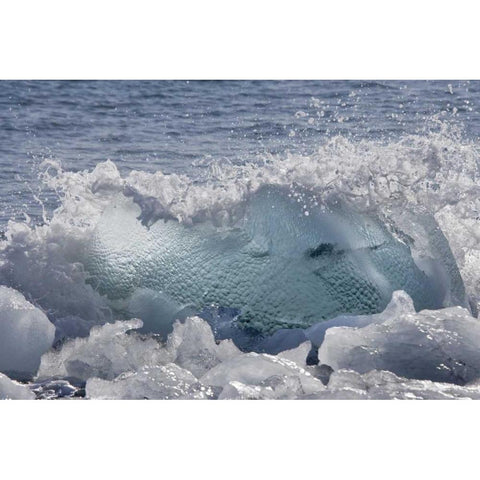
<point>165,382</point>
<point>383,385</point>
<point>25,334</point>
<point>400,354</point>
<point>11,390</point>
<point>440,346</point>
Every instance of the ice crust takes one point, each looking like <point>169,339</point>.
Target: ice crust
<point>25,334</point>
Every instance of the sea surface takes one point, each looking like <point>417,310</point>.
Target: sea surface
<point>182,126</point>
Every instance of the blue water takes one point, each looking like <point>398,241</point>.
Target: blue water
<point>180,126</point>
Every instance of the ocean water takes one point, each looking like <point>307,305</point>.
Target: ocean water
<point>182,126</point>
<point>228,226</point>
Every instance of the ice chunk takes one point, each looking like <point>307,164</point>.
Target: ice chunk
<point>347,384</point>
<point>280,268</point>
<point>25,334</point>
<point>192,346</point>
<point>284,339</point>
<point>159,382</point>
<point>400,303</point>
<point>437,345</point>
<point>10,390</point>
<point>274,388</point>
<point>297,355</point>
<point>253,369</point>
<point>105,353</point>
<point>239,391</point>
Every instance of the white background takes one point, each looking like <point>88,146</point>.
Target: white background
<point>245,39</point>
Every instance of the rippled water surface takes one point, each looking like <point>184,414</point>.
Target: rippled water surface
<point>181,126</point>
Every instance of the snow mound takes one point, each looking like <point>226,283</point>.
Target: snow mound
<point>160,382</point>
<point>437,345</point>
<point>25,334</point>
<point>10,390</point>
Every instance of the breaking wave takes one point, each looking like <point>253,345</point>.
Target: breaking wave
<point>421,189</point>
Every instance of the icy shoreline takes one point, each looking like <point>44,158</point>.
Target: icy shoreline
<point>432,355</point>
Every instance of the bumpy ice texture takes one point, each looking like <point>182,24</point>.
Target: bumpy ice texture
<point>279,264</point>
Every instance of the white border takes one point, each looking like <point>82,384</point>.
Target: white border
<point>239,439</point>
<point>307,39</point>
<point>248,39</point>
